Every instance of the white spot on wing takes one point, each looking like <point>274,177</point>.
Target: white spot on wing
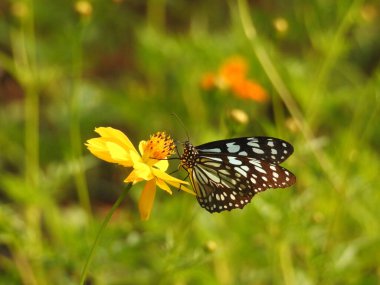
<point>241,171</point>
<point>259,169</point>
<point>232,147</point>
<point>217,150</point>
<point>244,167</point>
<point>213,158</point>
<point>255,162</point>
<point>232,160</point>
<point>258,150</point>
<point>253,144</point>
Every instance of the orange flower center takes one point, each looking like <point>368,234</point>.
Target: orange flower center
<point>159,146</point>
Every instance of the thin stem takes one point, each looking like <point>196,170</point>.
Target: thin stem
<point>332,55</point>
<point>75,131</point>
<point>286,263</point>
<point>26,71</point>
<point>100,232</point>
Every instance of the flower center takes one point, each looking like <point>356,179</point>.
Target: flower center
<point>159,146</point>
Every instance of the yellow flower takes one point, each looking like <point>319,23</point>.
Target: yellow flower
<point>149,165</point>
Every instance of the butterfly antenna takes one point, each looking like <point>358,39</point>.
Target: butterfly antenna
<point>182,124</point>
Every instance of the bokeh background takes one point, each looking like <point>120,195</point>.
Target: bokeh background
<point>67,67</point>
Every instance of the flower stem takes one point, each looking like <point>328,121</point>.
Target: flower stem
<point>75,122</point>
<point>99,234</point>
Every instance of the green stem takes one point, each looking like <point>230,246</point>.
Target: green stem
<point>100,232</point>
<point>75,131</point>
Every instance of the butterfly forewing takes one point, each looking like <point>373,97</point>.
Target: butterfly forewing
<point>226,174</point>
<point>268,149</point>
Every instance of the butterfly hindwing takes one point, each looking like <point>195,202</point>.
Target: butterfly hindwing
<point>229,182</point>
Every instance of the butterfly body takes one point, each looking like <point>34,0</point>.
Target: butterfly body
<point>226,174</point>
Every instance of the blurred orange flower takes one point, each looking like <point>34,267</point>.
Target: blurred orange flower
<point>233,70</point>
<point>248,89</point>
<point>232,75</point>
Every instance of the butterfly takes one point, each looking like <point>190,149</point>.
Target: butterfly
<point>226,174</point>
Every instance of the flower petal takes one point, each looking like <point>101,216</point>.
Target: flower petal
<point>181,187</point>
<point>112,146</point>
<point>133,177</point>
<point>116,135</point>
<point>147,199</point>
<point>166,177</point>
<point>161,183</point>
<point>162,164</point>
<point>119,154</point>
<point>141,169</point>
<point>177,183</point>
<point>142,145</point>
<point>98,148</point>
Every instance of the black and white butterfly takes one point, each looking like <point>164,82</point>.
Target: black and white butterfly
<point>226,174</point>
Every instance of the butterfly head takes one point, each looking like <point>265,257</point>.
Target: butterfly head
<point>188,156</point>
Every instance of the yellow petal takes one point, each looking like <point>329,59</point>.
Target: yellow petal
<point>143,171</point>
<point>181,187</point>
<point>119,154</point>
<point>109,151</point>
<point>162,164</point>
<point>112,146</point>
<point>135,157</point>
<point>161,183</point>
<point>142,147</point>
<point>114,134</point>
<point>132,177</point>
<point>177,183</point>
<point>98,148</point>
<point>166,177</point>
<point>147,199</point>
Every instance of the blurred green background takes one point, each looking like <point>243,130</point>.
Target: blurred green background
<point>67,67</point>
